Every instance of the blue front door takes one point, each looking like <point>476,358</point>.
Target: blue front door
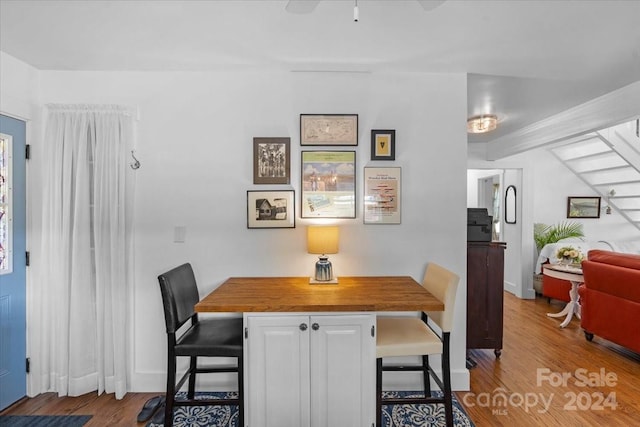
<point>13,376</point>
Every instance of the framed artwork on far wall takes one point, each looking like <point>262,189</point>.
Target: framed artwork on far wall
<point>328,184</point>
<point>382,195</point>
<point>271,161</point>
<point>329,129</point>
<point>583,207</point>
<point>271,209</point>
<point>383,144</point>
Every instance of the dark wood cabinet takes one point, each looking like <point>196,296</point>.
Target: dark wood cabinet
<point>485,286</point>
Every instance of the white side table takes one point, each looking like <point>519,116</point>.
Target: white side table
<point>573,275</point>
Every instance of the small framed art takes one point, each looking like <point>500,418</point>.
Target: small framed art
<point>583,207</point>
<point>271,209</point>
<point>329,129</point>
<point>271,160</point>
<point>382,191</point>
<point>383,144</point>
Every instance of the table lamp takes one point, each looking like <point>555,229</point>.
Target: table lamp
<point>323,240</point>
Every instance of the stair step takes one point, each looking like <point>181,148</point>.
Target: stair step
<point>609,183</point>
<point>589,156</point>
<point>585,145</point>
<point>608,169</point>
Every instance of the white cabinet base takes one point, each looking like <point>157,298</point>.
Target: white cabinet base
<point>314,370</point>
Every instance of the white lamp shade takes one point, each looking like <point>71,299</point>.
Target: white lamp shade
<point>322,239</point>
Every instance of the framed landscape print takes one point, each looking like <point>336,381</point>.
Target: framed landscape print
<point>328,129</point>
<point>271,161</point>
<point>271,209</point>
<point>583,207</point>
<point>382,195</point>
<point>383,144</point>
<point>328,184</point>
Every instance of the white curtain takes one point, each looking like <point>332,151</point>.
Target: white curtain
<point>78,337</point>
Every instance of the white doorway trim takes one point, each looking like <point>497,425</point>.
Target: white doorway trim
<point>519,250</point>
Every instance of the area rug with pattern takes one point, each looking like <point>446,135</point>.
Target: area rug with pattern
<point>418,415</point>
<point>44,420</point>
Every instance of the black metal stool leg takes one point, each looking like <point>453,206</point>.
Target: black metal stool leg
<point>379,392</point>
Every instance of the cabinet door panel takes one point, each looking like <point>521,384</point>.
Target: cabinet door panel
<point>485,288</point>
<point>495,276</point>
<point>278,371</point>
<point>477,297</point>
<point>342,371</point>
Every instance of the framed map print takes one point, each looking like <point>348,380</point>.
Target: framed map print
<point>328,129</point>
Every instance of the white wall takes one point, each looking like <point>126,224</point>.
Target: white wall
<point>195,145</point>
<point>516,277</point>
<point>19,88</point>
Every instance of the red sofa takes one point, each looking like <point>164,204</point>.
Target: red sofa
<point>610,297</point>
<point>553,288</point>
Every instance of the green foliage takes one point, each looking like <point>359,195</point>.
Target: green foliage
<point>544,234</point>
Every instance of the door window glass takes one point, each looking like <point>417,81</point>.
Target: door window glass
<point>5,204</point>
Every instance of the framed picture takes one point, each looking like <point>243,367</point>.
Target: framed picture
<point>583,207</point>
<point>382,195</point>
<point>271,161</point>
<point>271,209</point>
<point>383,144</point>
<point>328,184</point>
<point>328,129</point>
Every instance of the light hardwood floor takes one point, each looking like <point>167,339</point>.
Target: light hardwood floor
<point>536,353</point>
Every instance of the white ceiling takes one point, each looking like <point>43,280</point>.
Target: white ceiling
<point>526,60</point>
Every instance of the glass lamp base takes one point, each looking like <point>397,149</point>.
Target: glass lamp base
<point>324,270</point>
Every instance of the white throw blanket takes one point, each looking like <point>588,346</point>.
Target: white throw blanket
<point>549,251</point>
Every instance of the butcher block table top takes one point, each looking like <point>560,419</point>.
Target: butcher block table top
<point>295,294</point>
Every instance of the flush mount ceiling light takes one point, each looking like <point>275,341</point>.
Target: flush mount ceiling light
<point>482,124</point>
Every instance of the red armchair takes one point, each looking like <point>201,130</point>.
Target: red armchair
<point>610,297</point>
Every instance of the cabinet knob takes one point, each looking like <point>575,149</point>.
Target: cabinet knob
<point>303,326</point>
<point>315,326</point>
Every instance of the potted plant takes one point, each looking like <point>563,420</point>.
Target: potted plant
<point>544,234</point>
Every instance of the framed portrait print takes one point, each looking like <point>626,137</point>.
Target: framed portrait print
<point>328,184</point>
<point>328,129</point>
<point>271,209</point>
<point>583,207</point>
<point>271,160</point>
<point>383,144</point>
<point>382,195</point>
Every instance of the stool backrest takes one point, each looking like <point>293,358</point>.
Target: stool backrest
<point>443,284</point>
<point>179,295</point>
